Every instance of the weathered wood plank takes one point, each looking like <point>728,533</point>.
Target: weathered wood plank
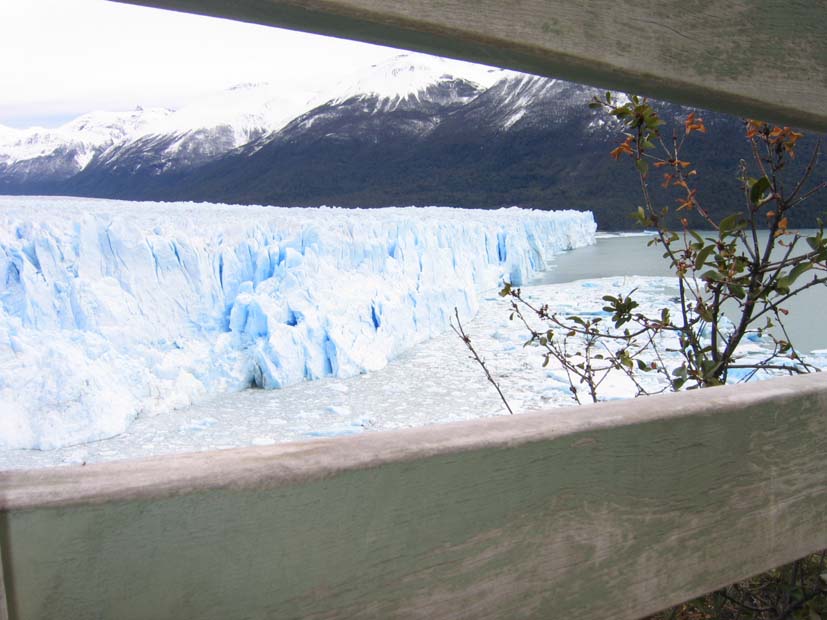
<point>4,608</point>
<point>604,511</point>
<point>760,58</point>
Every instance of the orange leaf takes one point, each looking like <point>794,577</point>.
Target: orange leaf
<point>626,147</point>
<point>689,122</point>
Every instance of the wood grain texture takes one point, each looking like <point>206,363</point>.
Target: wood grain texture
<point>4,608</point>
<point>759,58</point>
<point>615,510</point>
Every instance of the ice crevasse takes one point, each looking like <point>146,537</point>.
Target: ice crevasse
<point>112,309</point>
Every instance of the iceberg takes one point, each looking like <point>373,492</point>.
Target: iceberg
<point>111,309</point>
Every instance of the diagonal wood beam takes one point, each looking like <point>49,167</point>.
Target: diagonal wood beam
<point>764,59</point>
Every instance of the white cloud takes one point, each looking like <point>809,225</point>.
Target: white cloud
<point>66,57</point>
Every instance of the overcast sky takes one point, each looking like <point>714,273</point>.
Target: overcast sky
<point>62,58</point>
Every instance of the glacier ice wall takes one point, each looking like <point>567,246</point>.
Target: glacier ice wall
<point>112,309</point>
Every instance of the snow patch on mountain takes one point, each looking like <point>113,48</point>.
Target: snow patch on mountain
<point>407,78</point>
<point>85,135</point>
<point>214,125</point>
<point>247,110</point>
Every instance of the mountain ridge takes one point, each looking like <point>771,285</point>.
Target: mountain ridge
<point>413,131</point>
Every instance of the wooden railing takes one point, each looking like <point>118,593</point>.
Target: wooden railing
<point>764,59</point>
<point>608,511</point>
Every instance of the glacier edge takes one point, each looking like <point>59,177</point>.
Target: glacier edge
<point>113,309</point>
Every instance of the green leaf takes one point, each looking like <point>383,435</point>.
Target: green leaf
<point>815,243</point>
<point>758,188</point>
<point>728,223</point>
<point>711,276</point>
<point>737,291</point>
<point>700,259</point>
<point>595,105</point>
<point>798,270</point>
<point>642,166</point>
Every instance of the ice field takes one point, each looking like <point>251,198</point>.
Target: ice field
<point>112,311</point>
<point>434,382</point>
<point>132,329</point>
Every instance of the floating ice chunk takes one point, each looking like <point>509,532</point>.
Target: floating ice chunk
<point>201,424</point>
<point>339,410</point>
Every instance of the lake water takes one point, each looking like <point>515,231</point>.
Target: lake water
<point>434,382</point>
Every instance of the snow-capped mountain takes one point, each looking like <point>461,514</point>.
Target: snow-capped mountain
<point>31,155</point>
<point>159,140</point>
<point>407,96</point>
<point>207,129</point>
<point>89,132</point>
<point>413,130</point>
<point>520,99</point>
<point>413,81</point>
<point>109,152</point>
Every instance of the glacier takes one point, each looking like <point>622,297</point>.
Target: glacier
<point>110,310</point>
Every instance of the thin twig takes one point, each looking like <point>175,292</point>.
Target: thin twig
<point>459,331</point>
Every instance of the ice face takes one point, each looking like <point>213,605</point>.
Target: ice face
<point>111,309</point>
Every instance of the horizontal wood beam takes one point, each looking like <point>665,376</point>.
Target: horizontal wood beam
<point>763,59</point>
<point>608,511</point>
